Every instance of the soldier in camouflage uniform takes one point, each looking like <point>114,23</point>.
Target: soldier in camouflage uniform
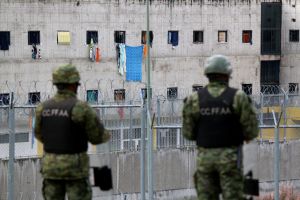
<point>219,118</point>
<point>65,125</point>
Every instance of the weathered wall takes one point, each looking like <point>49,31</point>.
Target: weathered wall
<point>172,171</point>
<point>171,67</point>
<point>289,71</point>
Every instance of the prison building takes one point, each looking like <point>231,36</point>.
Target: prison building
<point>261,38</point>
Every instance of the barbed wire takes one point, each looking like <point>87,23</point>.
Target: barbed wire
<point>119,118</point>
<point>104,90</point>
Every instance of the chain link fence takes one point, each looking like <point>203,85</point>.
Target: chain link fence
<point>123,117</point>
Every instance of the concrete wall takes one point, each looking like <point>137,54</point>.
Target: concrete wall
<point>180,67</point>
<point>172,172</point>
<point>290,50</point>
<point>171,67</point>
<point>48,17</point>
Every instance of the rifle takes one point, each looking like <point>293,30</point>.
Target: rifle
<point>101,177</point>
<point>251,186</point>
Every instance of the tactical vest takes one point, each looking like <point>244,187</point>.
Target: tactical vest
<point>218,125</point>
<point>60,134</point>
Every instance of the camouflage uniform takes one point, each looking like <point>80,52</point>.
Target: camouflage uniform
<point>68,173</point>
<point>219,170</point>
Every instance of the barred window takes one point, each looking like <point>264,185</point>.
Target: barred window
<point>135,133</point>
<point>4,99</point>
<point>63,37</point>
<point>144,93</point>
<point>92,35</point>
<point>172,93</point>
<point>34,98</point>
<point>247,88</point>
<point>167,138</point>
<point>293,88</point>
<point>33,37</point>
<point>120,37</point>
<point>222,36</point>
<point>119,94</point>
<point>173,38</point>
<point>294,35</point>
<point>92,96</point>
<point>115,139</point>
<point>247,36</point>
<point>197,36</point>
<point>131,140</point>
<point>4,40</point>
<point>144,37</point>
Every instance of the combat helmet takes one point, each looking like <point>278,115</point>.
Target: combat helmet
<point>217,64</point>
<point>66,74</point>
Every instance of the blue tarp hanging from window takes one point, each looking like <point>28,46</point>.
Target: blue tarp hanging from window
<point>134,58</point>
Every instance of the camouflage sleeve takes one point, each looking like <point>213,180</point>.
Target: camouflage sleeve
<point>37,125</point>
<point>83,114</point>
<point>244,108</point>
<point>190,115</point>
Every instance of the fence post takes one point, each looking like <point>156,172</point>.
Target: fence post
<point>11,124</point>
<point>102,111</point>
<point>277,155</point>
<point>178,138</point>
<point>158,111</point>
<point>150,152</point>
<point>158,123</point>
<point>261,115</point>
<point>142,161</point>
<point>131,146</point>
<point>285,115</point>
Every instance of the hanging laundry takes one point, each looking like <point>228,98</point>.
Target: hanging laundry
<point>134,57</point>
<point>122,67</point>
<point>34,51</point>
<point>145,50</point>
<point>94,54</point>
<point>121,58</point>
<point>92,51</point>
<point>39,54</point>
<point>98,55</point>
<point>118,56</point>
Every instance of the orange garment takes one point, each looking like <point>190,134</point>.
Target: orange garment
<point>145,51</point>
<point>98,55</point>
